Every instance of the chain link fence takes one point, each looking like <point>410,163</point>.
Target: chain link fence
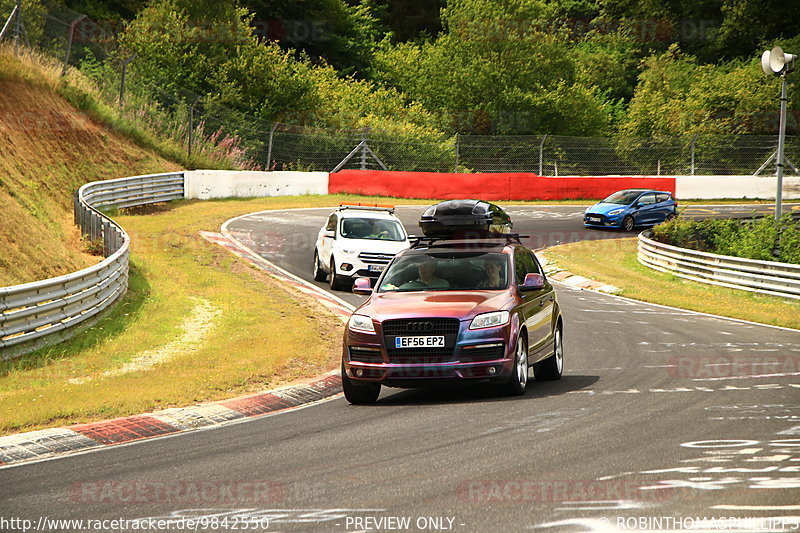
<point>167,110</point>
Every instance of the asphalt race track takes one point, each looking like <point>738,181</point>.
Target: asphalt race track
<point>664,420</point>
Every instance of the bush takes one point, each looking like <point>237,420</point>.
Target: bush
<point>752,239</point>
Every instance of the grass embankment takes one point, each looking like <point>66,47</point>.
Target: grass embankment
<point>197,324</point>
<point>49,150</point>
<point>614,261</point>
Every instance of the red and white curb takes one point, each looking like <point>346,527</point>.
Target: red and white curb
<point>49,443</point>
<point>53,442</point>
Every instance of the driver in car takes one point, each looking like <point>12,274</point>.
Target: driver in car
<point>427,278</point>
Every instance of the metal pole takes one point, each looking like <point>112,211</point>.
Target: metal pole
<point>364,149</point>
<point>69,42</point>
<point>693,141</point>
<point>458,140</point>
<point>779,161</point>
<point>17,25</point>
<point>191,129</point>
<point>11,17</point>
<point>122,80</point>
<point>269,148</point>
<point>122,85</point>
<point>541,153</point>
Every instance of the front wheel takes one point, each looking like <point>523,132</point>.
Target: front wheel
<point>671,216</point>
<point>551,368</point>
<point>359,394</point>
<point>319,274</point>
<point>334,279</point>
<point>519,376</point>
<point>628,223</point>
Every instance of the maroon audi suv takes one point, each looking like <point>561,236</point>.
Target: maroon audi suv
<point>448,310</point>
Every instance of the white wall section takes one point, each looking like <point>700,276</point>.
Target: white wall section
<point>754,187</point>
<point>209,184</point>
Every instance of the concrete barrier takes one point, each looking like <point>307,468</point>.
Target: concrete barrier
<point>753,187</point>
<point>209,184</point>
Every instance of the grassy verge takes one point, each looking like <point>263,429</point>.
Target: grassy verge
<point>614,261</point>
<point>197,325</point>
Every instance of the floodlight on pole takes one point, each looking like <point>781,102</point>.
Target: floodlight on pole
<point>776,62</point>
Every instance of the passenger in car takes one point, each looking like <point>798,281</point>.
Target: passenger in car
<point>494,279</point>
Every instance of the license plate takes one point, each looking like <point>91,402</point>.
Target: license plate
<point>376,268</point>
<point>595,219</point>
<point>419,342</point>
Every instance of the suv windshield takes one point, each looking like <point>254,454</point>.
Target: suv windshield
<point>622,197</point>
<point>372,228</point>
<point>447,271</point>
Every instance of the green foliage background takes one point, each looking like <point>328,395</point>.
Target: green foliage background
<point>624,68</point>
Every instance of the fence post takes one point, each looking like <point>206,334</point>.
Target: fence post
<point>269,147</point>
<point>69,42</point>
<point>541,153</point>
<point>364,149</point>
<point>693,141</point>
<point>17,22</point>
<point>458,140</point>
<point>191,130</point>
<point>122,80</point>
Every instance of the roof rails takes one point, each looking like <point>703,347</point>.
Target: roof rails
<point>422,240</point>
<point>368,207</point>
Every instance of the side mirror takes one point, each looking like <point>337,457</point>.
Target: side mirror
<point>532,282</point>
<point>362,286</point>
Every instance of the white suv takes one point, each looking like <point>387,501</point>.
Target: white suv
<point>357,241</point>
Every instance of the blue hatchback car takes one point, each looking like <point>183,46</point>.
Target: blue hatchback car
<point>630,208</point>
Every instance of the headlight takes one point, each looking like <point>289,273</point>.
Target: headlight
<point>361,323</point>
<point>615,212</point>
<point>348,252</point>
<point>490,320</point>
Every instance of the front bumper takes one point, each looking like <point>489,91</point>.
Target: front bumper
<point>602,221</point>
<point>357,267</point>
<point>486,361</point>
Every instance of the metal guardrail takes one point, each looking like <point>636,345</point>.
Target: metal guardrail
<point>42,312</point>
<point>765,277</point>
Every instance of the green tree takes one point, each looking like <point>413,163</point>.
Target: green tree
<point>496,68</point>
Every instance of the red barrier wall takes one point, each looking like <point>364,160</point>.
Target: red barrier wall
<point>490,186</point>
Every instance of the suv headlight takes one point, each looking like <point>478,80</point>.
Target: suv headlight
<point>490,320</point>
<point>615,212</point>
<point>361,323</point>
<point>348,252</point>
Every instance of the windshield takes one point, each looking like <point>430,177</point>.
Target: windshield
<point>450,271</point>
<point>372,228</point>
<point>622,197</point>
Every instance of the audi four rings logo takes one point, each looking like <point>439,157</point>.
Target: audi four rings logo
<point>420,327</point>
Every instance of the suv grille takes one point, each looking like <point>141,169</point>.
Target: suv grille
<point>375,259</point>
<point>421,326</point>
<point>412,356</point>
<point>415,327</point>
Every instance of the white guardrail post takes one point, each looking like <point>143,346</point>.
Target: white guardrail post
<point>765,277</point>
<point>44,312</point>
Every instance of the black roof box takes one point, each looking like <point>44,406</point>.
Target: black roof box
<point>464,218</point>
